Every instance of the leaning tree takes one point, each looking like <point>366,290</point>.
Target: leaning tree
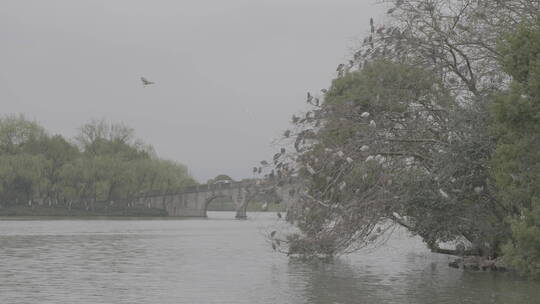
<point>401,136</point>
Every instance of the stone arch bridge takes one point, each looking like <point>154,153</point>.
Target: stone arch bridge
<point>193,201</point>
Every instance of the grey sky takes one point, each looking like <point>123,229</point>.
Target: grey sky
<point>229,74</point>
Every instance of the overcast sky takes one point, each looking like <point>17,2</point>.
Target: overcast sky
<point>229,74</point>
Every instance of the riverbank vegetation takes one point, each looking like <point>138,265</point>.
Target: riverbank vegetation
<point>434,125</point>
<point>98,173</point>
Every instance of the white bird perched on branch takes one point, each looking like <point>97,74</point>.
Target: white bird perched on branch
<point>444,194</point>
<point>146,81</point>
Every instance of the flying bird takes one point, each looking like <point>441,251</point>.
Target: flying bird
<point>146,81</point>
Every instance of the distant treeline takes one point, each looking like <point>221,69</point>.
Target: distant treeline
<point>103,165</point>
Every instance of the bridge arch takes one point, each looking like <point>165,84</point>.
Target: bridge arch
<point>212,198</point>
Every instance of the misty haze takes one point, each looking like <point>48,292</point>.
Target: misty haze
<point>261,151</point>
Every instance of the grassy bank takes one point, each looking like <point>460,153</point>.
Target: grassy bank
<point>62,211</point>
<point>118,211</point>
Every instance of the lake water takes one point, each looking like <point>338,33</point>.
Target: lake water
<point>222,260</point>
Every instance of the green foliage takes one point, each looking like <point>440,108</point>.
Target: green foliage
<point>386,150</point>
<point>22,176</point>
<point>18,134</point>
<point>110,166</point>
<point>434,124</point>
<point>517,158</point>
<point>520,50</point>
<point>524,250</point>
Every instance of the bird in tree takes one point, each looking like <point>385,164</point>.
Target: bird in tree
<point>309,97</point>
<point>146,81</point>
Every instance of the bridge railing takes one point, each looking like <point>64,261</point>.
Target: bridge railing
<point>199,188</point>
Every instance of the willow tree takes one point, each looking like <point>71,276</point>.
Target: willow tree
<point>23,168</point>
<point>116,167</point>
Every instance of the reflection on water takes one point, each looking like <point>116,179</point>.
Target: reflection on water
<point>221,260</point>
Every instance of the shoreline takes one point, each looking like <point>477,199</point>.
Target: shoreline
<point>42,211</point>
<point>33,212</point>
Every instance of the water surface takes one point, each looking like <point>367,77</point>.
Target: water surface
<point>222,260</point>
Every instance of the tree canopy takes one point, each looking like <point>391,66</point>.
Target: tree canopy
<point>432,125</point>
<point>106,163</point>
<point>517,158</point>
